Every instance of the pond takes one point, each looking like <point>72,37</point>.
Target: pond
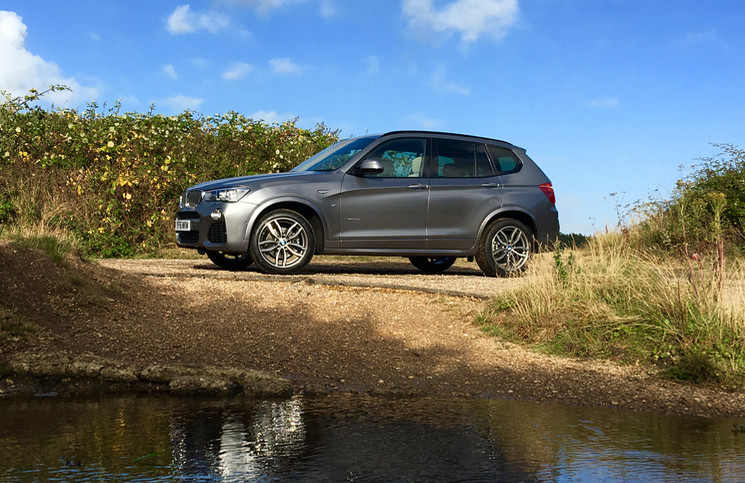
<point>356,438</point>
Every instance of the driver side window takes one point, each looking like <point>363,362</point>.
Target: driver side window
<point>401,158</point>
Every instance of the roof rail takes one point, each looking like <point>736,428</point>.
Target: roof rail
<point>410,131</point>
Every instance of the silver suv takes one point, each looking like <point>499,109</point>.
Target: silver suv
<point>431,197</point>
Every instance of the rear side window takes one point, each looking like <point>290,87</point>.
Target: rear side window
<point>462,159</point>
<point>504,160</point>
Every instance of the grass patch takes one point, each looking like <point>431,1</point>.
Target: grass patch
<point>14,326</point>
<point>610,300</point>
<point>170,253</point>
<point>56,248</point>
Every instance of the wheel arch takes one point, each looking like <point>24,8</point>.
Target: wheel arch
<point>307,210</point>
<point>518,215</point>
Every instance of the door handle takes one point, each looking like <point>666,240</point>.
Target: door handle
<point>418,186</point>
<point>490,185</point>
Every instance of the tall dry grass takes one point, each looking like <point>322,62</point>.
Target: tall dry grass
<point>610,299</point>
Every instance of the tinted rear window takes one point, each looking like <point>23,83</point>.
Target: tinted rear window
<point>462,159</point>
<point>504,159</point>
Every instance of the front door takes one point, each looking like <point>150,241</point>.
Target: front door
<point>387,210</point>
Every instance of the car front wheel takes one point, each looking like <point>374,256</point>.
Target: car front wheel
<point>230,261</point>
<point>505,248</point>
<point>432,264</point>
<point>282,242</point>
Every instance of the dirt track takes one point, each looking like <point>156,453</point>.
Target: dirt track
<point>376,326</point>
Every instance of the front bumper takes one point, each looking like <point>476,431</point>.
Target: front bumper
<point>215,226</point>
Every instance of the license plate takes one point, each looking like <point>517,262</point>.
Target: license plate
<point>183,225</point>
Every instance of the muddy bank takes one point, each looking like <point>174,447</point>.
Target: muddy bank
<point>60,374</point>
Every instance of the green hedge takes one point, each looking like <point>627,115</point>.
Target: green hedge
<point>705,209</point>
<point>113,180</point>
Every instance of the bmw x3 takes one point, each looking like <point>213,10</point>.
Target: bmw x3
<point>431,197</point>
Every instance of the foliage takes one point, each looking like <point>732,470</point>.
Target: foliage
<point>114,179</point>
<point>564,270</point>
<point>572,240</point>
<point>611,299</point>
<point>705,207</point>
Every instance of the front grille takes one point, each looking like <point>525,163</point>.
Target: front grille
<point>217,233</point>
<point>188,237</point>
<point>187,215</point>
<point>193,198</point>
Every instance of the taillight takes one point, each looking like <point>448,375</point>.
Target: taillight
<point>548,190</point>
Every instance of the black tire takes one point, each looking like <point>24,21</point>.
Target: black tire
<point>230,261</point>
<point>505,248</point>
<point>432,264</point>
<point>282,242</point>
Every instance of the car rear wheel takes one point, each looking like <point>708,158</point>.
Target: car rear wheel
<point>230,261</point>
<point>432,264</point>
<point>282,242</point>
<point>505,248</point>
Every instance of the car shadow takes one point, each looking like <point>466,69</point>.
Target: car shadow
<point>323,267</point>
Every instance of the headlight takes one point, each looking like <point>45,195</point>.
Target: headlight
<point>229,195</point>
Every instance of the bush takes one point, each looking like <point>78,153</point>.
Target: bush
<point>114,179</point>
<point>705,209</point>
<point>573,240</point>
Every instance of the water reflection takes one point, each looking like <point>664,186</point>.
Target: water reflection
<point>236,441</point>
<point>356,438</point>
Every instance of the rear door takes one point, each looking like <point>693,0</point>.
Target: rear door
<point>464,190</point>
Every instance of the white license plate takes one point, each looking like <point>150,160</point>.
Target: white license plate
<point>183,225</point>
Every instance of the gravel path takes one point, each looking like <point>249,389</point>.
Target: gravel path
<point>462,280</point>
<point>373,325</point>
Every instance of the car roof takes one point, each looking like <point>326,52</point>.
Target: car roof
<point>437,133</point>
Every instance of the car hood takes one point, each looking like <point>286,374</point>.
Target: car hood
<point>253,180</point>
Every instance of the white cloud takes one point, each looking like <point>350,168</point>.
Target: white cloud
<point>285,66</point>
<point>700,39</point>
<point>21,70</point>
<point>170,71</point>
<point>607,103</point>
<point>184,21</point>
<point>181,103</point>
<point>131,100</point>
<point>271,117</point>
<point>373,65</point>
<point>419,120</point>
<point>471,19</point>
<point>328,9</point>
<point>94,36</point>
<point>261,5</point>
<point>438,83</point>
<point>200,62</point>
<point>237,71</point>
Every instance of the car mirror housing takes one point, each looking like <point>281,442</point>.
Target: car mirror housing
<point>370,166</point>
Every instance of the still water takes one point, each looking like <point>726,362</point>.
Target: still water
<point>356,438</point>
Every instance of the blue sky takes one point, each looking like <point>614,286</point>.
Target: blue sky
<point>608,96</point>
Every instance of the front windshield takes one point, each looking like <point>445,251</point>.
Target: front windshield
<point>335,156</point>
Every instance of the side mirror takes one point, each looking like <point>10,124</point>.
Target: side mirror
<point>370,166</point>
